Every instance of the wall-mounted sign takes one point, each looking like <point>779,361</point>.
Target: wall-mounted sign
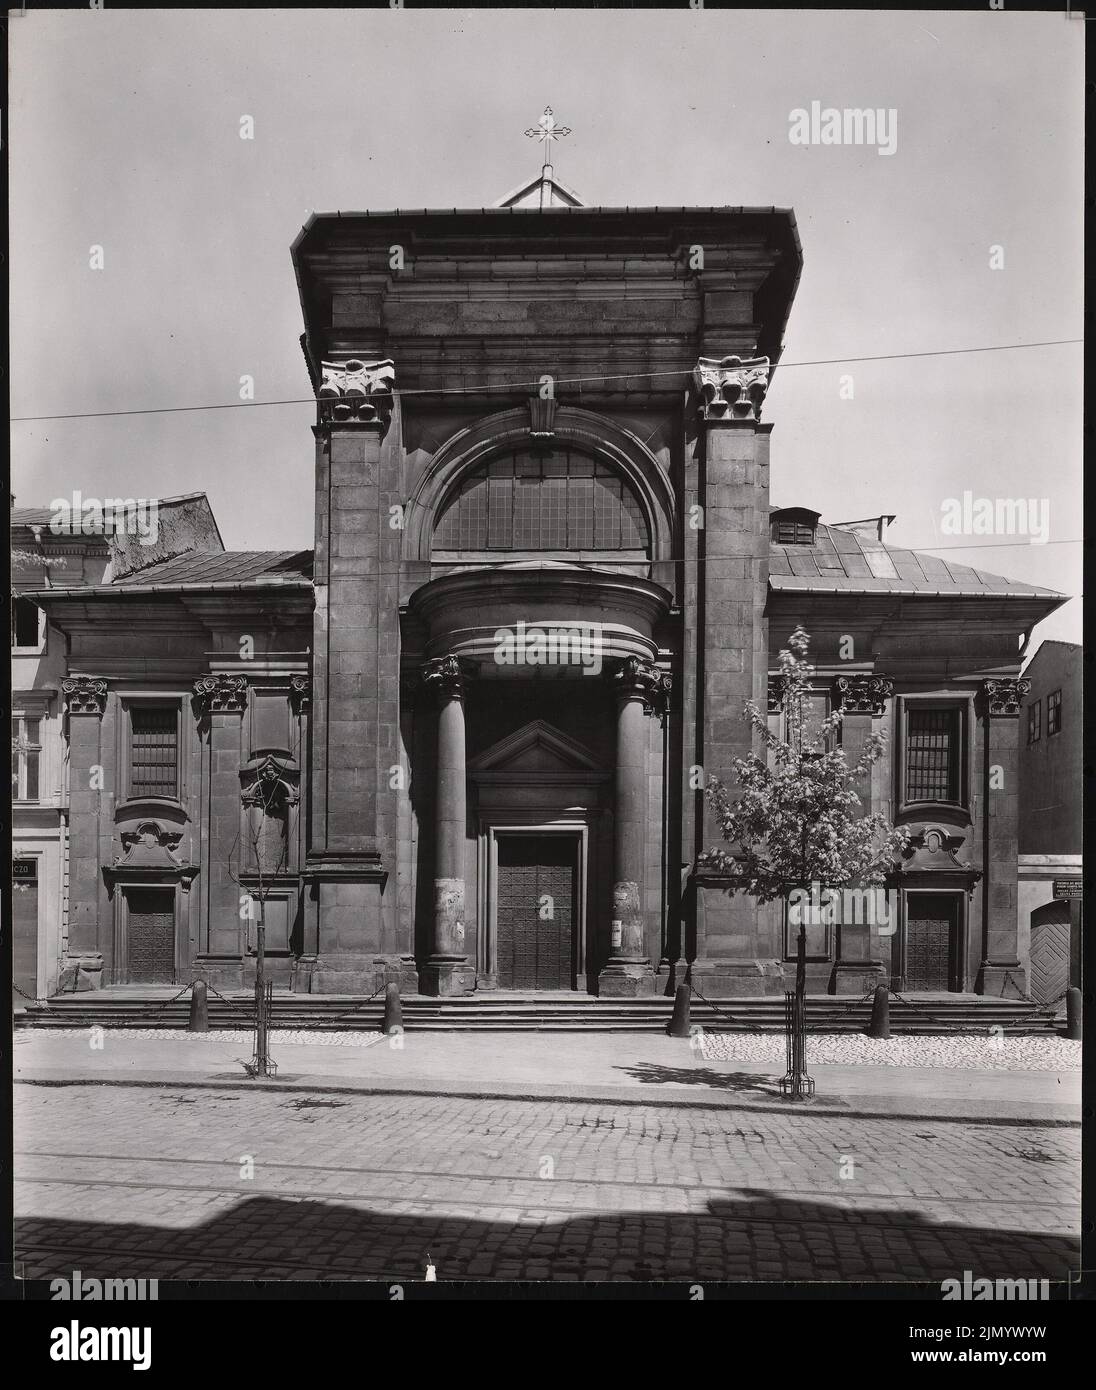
<point>22,869</point>
<point>1068,888</point>
<point>617,935</point>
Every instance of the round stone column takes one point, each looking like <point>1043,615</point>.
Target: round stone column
<point>628,971</point>
<point>448,969</point>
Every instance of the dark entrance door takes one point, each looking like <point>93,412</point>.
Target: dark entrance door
<point>535,911</point>
<point>150,936</point>
<point>24,921</point>
<point>931,932</point>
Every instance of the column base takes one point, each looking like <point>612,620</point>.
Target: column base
<point>80,973</point>
<point>349,973</point>
<point>446,978</point>
<point>999,980</point>
<point>737,979</point>
<point>397,970</point>
<point>856,977</point>
<point>624,981</point>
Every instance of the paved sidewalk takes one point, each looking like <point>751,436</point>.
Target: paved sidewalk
<point>632,1069</point>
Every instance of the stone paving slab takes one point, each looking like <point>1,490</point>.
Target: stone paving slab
<point>174,1182</point>
<point>610,1068</point>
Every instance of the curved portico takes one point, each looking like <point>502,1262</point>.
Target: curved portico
<point>567,638</point>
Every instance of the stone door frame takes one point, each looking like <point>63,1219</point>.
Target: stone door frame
<point>575,825</point>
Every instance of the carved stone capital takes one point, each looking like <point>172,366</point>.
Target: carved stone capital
<point>732,388</point>
<point>221,694</point>
<point>635,677</point>
<point>84,695</point>
<point>446,675</point>
<point>863,694</point>
<point>356,392</point>
<point>300,693</point>
<point>542,418</point>
<point>1002,696</point>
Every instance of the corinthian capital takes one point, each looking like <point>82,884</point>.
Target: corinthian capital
<point>635,677</point>
<point>356,392</point>
<point>863,694</point>
<point>446,675</point>
<point>732,388</point>
<point>1003,695</point>
<point>221,694</point>
<point>84,694</point>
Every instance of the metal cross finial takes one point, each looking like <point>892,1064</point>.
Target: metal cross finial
<point>546,131</point>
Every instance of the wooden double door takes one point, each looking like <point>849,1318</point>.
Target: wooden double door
<point>932,943</point>
<point>536,910</point>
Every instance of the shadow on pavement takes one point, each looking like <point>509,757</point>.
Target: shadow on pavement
<point>737,1238</point>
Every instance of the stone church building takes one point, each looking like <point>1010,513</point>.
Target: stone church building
<point>459,745</point>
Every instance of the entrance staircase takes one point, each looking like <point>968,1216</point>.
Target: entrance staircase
<point>505,1012</point>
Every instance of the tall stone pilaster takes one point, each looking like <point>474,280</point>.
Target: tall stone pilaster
<point>220,702</point>
<point>355,676</point>
<point>859,961</point>
<point>1000,972</point>
<point>737,944</point>
<point>89,947</point>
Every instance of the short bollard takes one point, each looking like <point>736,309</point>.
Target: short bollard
<point>199,1009</point>
<point>1073,1014</point>
<point>393,1013</point>
<point>679,1020</point>
<point>880,1013</point>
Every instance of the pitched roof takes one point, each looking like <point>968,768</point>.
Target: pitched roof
<point>225,567</point>
<point>848,561</point>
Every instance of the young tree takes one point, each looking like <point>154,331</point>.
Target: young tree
<point>796,819</point>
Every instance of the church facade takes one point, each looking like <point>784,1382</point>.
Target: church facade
<point>462,744</point>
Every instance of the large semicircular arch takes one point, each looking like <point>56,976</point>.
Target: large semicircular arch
<point>509,429</point>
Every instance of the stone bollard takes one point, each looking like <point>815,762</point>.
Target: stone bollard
<point>393,1013</point>
<point>879,1027</point>
<point>1073,1014</point>
<point>679,1022</point>
<point>199,1009</point>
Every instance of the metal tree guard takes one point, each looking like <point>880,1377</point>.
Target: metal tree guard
<point>795,1083</point>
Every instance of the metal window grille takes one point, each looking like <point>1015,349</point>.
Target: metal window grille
<point>1054,713</point>
<point>932,755</point>
<point>154,752</point>
<point>545,501</point>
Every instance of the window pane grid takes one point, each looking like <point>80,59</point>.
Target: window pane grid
<point>154,752</point>
<point>556,501</point>
<point>1054,712</point>
<point>932,749</point>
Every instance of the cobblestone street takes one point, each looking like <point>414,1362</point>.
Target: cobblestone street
<point>145,1182</point>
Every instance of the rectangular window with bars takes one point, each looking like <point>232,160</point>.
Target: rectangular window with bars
<point>154,751</point>
<point>932,754</point>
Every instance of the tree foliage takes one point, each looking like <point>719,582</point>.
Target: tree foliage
<point>795,817</point>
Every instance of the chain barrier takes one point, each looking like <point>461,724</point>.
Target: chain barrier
<point>714,1007</point>
<point>29,997</point>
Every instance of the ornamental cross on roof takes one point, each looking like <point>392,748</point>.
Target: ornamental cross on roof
<point>546,131</point>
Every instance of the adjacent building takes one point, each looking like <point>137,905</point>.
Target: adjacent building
<point>1050,840</point>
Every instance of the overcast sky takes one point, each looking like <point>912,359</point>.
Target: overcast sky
<point>124,133</point>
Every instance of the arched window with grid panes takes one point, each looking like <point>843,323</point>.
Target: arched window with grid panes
<point>530,503</point>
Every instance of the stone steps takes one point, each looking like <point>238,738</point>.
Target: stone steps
<point>531,1014</point>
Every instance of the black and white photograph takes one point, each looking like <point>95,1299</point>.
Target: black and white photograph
<point>546,662</point>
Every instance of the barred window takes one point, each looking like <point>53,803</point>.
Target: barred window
<point>554,501</point>
<point>932,754</point>
<point>154,751</point>
<point>1054,713</point>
